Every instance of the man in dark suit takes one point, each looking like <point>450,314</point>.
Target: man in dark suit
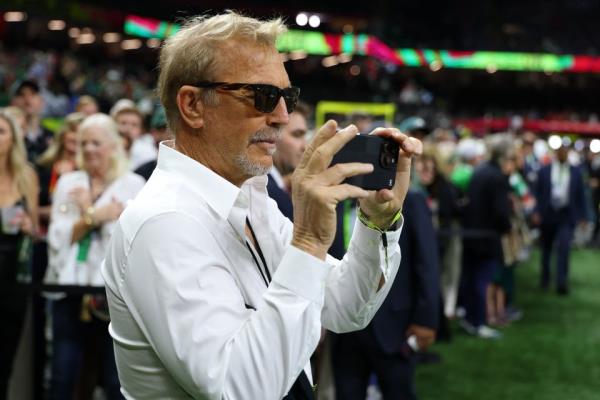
<point>410,309</point>
<point>560,206</point>
<point>487,216</point>
<point>29,99</point>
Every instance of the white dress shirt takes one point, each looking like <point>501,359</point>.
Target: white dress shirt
<point>143,150</point>
<point>63,266</point>
<point>191,316</point>
<point>560,176</point>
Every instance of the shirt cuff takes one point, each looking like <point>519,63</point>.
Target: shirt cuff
<point>303,274</point>
<point>369,243</point>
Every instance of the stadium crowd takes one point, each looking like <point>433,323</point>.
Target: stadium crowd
<point>476,207</point>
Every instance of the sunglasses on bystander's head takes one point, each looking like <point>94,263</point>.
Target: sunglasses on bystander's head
<point>266,97</point>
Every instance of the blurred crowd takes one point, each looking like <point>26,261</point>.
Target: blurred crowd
<point>476,208</point>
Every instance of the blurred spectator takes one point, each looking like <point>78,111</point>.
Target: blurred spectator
<point>160,131</point>
<point>290,148</point>
<point>529,164</point>
<point>409,310</point>
<point>86,105</point>
<point>416,127</point>
<point>139,146</point>
<point>18,206</point>
<point>487,216</point>
<point>37,138</point>
<point>470,153</point>
<point>57,160</point>
<point>560,207</point>
<point>85,206</point>
<point>18,115</point>
<point>362,120</point>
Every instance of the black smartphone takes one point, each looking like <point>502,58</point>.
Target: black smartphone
<point>376,150</point>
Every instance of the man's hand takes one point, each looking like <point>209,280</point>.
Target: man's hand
<point>381,206</point>
<point>318,188</point>
<point>425,336</point>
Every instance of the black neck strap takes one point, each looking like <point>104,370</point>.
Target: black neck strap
<point>266,275</point>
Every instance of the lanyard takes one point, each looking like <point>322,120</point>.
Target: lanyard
<point>264,271</point>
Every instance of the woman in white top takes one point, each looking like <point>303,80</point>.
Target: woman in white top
<point>85,207</point>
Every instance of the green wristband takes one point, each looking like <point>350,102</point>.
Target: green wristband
<point>365,220</point>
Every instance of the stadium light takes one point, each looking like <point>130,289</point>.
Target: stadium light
<point>131,44</point>
<point>56,25</point>
<point>301,19</point>
<point>344,58</point>
<point>15,16</point>
<point>86,38</point>
<point>153,43</point>
<point>555,142</point>
<point>435,66</point>
<point>74,32</point>
<point>355,70</point>
<point>595,146</point>
<point>111,37</point>
<point>314,21</point>
<point>298,55</point>
<point>330,61</point>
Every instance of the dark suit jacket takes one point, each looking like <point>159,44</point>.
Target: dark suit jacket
<point>487,211</point>
<point>281,197</point>
<point>543,194</point>
<point>145,170</point>
<point>414,295</point>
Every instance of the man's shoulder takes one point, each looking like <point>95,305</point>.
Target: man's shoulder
<point>161,197</point>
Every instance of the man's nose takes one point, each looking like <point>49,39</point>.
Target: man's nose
<point>279,116</point>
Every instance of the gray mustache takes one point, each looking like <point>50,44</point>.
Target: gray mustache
<point>270,134</point>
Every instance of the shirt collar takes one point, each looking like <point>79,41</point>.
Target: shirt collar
<point>218,192</point>
<point>276,175</point>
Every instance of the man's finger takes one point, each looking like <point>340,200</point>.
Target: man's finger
<point>336,174</point>
<point>410,146</point>
<point>325,133</point>
<point>322,155</point>
<point>345,191</point>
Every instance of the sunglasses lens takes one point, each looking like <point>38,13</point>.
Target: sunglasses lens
<point>290,96</point>
<point>266,98</point>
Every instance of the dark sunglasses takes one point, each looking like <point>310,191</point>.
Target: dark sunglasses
<point>266,96</point>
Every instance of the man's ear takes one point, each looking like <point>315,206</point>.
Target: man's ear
<point>190,106</point>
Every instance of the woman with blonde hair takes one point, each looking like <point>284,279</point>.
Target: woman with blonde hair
<point>85,207</point>
<point>18,205</point>
<point>59,158</point>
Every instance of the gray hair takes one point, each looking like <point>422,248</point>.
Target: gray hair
<point>191,54</point>
<point>500,147</point>
<point>118,162</point>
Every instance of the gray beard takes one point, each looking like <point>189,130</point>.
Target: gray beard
<point>250,168</point>
<point>255,169</point>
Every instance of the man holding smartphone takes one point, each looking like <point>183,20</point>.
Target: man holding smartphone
<point>214,294</point>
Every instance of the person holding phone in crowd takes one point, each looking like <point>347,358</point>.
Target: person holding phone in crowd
<point>212,292</point>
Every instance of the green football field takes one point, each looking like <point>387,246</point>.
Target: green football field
<point>553,353</point>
